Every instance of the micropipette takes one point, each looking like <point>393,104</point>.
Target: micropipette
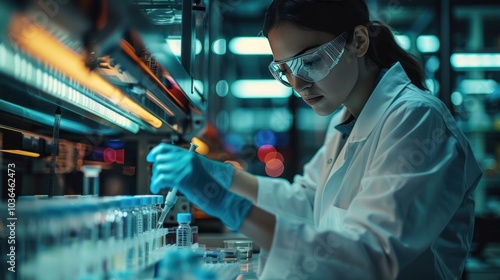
<point>171,197</point>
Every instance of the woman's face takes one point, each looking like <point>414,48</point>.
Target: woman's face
<point>324,96</point>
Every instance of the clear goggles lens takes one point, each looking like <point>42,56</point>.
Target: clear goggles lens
<point>311,67</point>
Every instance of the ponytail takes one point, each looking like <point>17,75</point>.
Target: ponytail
<point>385,51</point>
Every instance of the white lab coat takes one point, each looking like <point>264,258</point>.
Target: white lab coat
<point>393,202</point>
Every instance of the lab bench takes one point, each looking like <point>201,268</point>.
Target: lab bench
<point>114,238</point>
<point>245,270</point>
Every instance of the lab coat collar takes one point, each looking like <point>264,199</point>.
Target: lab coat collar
<point>389,87</point>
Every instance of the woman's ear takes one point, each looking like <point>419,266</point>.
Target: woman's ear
<point>361,40</point>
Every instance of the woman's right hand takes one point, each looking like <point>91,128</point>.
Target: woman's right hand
<point>203,181</point>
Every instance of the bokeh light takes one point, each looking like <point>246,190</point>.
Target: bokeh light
<point>265,137</point>
<point>273,155</point>
<point>264,150</point>
<point>274,167</point>
<point>233,142</point>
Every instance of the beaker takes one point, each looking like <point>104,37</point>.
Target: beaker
<point>244,248</point>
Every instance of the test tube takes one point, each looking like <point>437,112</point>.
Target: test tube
<point>91,179</point>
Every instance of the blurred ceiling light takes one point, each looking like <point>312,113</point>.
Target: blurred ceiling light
<point>481,86</point>
<point>52,84</point>
<point>250,46</point>
<point>403,41</point>
<point>475,60</point>
<point>457,98</point>
<point>219,46</point>
<point>428,43</point>
<point>432,64</point>
<point>259,89</point>
<point>222,88</point>
<point>175,46</point>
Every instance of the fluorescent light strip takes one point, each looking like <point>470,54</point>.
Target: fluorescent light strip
<point>250,46</point>
<point>483,86</point>
<point>42,46</point>
<point>260,89</point>
<point>475,60</point>
<point>175,46</point>
<point>45,80</point>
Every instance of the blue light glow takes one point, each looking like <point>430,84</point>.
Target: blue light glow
<point>428,43</point>
<point>265,137</point>
<point>480,86</point>
<point>219,46</point>
<point>475,60</point>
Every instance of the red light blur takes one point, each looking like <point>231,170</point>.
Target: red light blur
<point>264,150</point>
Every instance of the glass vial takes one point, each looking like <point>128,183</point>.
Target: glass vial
<point>183,232</point>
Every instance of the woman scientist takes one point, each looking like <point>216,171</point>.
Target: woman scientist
<point>387,196</point>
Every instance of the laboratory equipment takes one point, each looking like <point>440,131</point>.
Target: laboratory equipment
<point>184,237</point>
<point>171,197</point>
<point>212,256</point>
<point>244,248</point>
<point>91,179</point>
<point>229,255</point>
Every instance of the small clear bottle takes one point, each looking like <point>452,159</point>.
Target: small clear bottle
<point>184,237</point>
<point>91,179</point>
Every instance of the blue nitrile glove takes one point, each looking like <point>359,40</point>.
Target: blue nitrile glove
<point>203,181</point>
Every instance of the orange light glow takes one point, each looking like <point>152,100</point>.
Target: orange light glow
<point>21,152</point>
<point>40,44</point>
<point>274,168</point>
<point>202,146</point>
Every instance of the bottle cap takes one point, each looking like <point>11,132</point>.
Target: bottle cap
<point>184,217</point>
<point>91,170</point>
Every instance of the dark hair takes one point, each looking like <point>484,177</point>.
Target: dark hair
<point>338,16</point>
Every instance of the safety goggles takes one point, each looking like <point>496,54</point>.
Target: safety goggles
<point>311,66</point>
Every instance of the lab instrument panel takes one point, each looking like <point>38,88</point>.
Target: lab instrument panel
<point>107,64</point>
